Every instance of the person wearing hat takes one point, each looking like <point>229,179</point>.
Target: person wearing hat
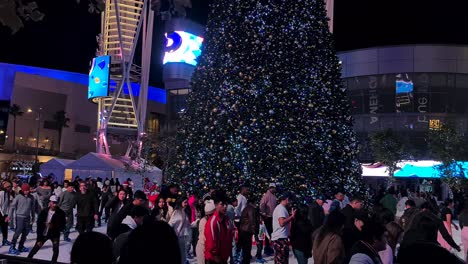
<point>281,229</point>
<point>24,206</point>
<point>209,211</point>
<point>316,213</point>
<point>50,223</point>
<point>267,206</point>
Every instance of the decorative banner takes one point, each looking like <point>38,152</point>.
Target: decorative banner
<point>99,77</point>
<point>182,47</point>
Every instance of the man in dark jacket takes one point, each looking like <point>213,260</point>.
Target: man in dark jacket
<point>420,231</point>
<point>316,213</point>
<point>130,222</point>
<point>350,210</point>
<point>408,215</point>
<point>50,222</point>
<point>374,240</point>
<point>139,199</point>
<point>87,208</point>
<point>249,224</point>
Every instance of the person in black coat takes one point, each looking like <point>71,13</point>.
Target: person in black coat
<point>50,223</point>
<point>301,235</point>
<point>139,199</point>
<point>424,227</point>
<point>316,214</point>
<point>349,211</point>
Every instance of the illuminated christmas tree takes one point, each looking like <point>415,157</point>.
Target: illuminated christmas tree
<point>267,104</point>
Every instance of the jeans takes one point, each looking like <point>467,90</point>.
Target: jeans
<point>55,247</point>
<point>69,224</point>
<point>4,227</point>
<point>300,256</point>
<point>22,228</point>
<point>259,247</point>
<point>84,224</point>
<point>269,226</point>
<point>245,244</point>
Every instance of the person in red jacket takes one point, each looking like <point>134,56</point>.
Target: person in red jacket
<point>218,232</point>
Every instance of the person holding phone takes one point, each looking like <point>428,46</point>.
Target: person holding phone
<point>281,229</point>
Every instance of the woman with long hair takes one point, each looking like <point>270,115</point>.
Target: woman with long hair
<point>328,245</point>
<point>117,202</point>
<point>446,215</point>
<point>44,192</point>
<point>181,224</point>
<point>301,235</point>
<point>161,211</point>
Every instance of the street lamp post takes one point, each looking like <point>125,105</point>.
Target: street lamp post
<point>38,119</point>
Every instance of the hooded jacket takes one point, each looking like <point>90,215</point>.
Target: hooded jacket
<point>218,237</point>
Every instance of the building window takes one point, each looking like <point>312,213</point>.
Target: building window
<point>82,129</point>
<point>435,124</point>
<point>154,123</point>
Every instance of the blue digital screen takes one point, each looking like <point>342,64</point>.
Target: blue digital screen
<point>99,77</point>
<point>182,47</point>
<point>410,170</point>
<point>404,87</point>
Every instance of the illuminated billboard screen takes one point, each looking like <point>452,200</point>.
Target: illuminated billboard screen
<point>99,77</point>
<point>182,47</point>
<point>403,93</point>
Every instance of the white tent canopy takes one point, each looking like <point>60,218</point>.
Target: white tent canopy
<point>105,166</point>
<point>56,167</point>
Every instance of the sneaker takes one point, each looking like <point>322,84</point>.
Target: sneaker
<point>13,251</point>
<point>260,260</point>
<point>67,239</point>
<point>23,249</point>
<point>6,242</point>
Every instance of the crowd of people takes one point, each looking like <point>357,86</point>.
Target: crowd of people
<point>171,227</point>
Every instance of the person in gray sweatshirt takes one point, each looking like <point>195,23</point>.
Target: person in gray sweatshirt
<point>67,202</point>
<point>25,207</point>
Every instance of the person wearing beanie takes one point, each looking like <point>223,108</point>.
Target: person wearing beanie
<point>50,223</point>
<point>209,210</point>
<point>24,206</point>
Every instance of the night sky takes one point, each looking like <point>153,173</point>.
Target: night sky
<point>66,38</point>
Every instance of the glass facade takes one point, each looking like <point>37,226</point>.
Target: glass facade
<point>410,103</point>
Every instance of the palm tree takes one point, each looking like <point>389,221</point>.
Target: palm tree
<point>15,110</point>
<point>61,120</point>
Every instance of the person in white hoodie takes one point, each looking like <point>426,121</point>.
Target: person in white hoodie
<point>130,222</point>
<point>209,210</point>
<point>181,224</point>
